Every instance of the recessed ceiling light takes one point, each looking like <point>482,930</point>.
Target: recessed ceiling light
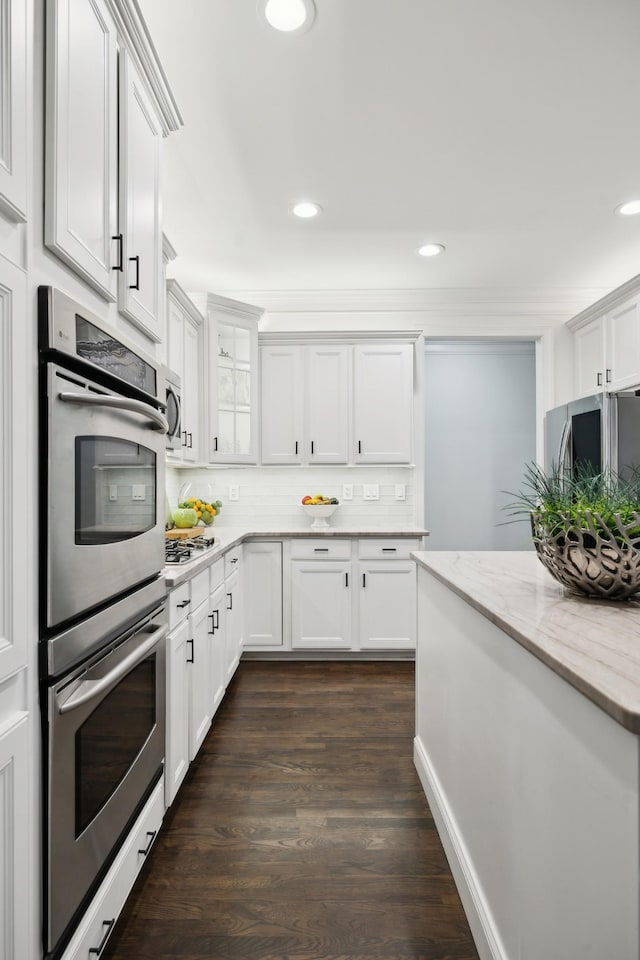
<point>431,249</point>
<point>289,16</point>
<point>629,209</point>
<point>306,209</point>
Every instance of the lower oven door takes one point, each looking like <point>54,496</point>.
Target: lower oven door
<point>104,490</point>
<point>106,732</point>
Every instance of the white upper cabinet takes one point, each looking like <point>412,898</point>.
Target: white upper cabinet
<point>81,208</point>
<point>140,289</point>
<point>606,342</point>
<point>326,403</point>
<point>13,110</point>
<point>231,394</point>
<point>589,359</point>
<point>383,403</point>
<point>185,340</point>
<point>623,346</point>
<point>105,119</point>
<point>282,379</point>
<point>305,408</point>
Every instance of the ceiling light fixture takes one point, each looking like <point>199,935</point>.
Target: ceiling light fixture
<point>629,209</point>
<point>288,16</point>
<point>306,209</point>
<point>431,249</point>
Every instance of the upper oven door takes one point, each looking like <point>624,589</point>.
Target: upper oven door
<point>104,485</point>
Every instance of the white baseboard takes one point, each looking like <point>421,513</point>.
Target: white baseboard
<point>486,937</point>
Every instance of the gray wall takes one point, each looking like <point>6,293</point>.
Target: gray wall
<point>479,434</point>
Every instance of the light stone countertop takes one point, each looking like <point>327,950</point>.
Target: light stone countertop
<point>593,644</point>
<point>227,537</point>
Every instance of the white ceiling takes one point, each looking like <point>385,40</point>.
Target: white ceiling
<point>506,129</point>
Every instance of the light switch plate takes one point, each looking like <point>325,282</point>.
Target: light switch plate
<point>370,491</point>
<point>138,491</point>
<point>113,492</point>
<point>400,491</point>
<point>234,492</point>
<point>347,491</point>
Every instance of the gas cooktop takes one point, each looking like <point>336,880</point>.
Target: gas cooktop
<point>181,551</point>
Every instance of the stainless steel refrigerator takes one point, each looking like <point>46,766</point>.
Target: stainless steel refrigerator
<point>602,431</point>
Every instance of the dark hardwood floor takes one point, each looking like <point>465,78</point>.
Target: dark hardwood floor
<point>301,832</point>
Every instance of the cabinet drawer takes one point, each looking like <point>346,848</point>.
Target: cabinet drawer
<point>383,548</point>
<point>99,919</point>
<point>320,548</point>
<point>179,603</point>
<point>216,574</point>
<point>232,560</point>
<point>199,589</point>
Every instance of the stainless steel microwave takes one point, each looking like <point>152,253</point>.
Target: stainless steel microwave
<point>170,387</point>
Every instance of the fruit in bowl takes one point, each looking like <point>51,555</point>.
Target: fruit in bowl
<point>320,508</point>
<point>204,511</point>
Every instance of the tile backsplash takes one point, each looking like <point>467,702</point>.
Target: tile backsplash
<point>274,493</point>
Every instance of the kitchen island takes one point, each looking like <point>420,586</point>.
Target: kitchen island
<point>527,722</point>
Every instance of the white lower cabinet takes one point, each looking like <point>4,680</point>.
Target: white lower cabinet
<point>387,604</point>
<point>177,736</point>
<point>15,840</point>
<point>262,569</point>
<point>91,936</point>
<point>321,605</point>
<point>199,669</point>
<point>233,624</point>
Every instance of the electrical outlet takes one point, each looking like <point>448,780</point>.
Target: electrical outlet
<point>400,491</point>
<point>234,492</point>
<point>138,491</point>
<point>347,491</point>
<point>113,492</point>
<point>370,491</point>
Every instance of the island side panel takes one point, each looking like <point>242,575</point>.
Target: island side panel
<point>534,790</point>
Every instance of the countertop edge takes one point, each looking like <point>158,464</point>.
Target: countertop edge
<point>626,715</point>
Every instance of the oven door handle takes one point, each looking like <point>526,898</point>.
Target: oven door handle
<point>119,403</point>
<point>89,689</point>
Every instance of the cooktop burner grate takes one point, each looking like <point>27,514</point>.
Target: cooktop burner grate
<point>181,551</point>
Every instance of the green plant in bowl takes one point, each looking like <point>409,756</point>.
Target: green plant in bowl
<point>585,527</point>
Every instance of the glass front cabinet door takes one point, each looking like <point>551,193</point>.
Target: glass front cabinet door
<point>233,396</point>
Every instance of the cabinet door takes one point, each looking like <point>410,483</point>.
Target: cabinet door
<point>17,597</point>
<point>321,605</point>
<point>175,360</point>
<point>233,633</point>
<point>282,416</point>
<point>387,597</point>
<point>383,403</point>
<point>140,291</point>
<point>16,885</point>
<point>233,408</point>
<point>177,764</point>
<point>81,193</point>
<point>623,347</point>
<point>262,568</point>
<point>198,660</point>
<point>13,109</point>
<point>327,404</point>
<point>217,632</point>
<point>588,357</point>
<point>191,436</point>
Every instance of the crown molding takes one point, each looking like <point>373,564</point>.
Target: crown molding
<point>135,34</point>
<point>175,291</point>
<point>169,252</point>
<point>613,299</point>
<point>337,336</point>
<point>238,308</point>
<point>557,303</point>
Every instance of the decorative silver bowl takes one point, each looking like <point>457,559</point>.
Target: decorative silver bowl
<point>595,560</point>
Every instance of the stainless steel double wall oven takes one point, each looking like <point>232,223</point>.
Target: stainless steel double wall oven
<point>102,598</point>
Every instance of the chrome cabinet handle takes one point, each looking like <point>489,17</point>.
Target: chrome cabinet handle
<point>118,403</point>
<point>89,689</point>
<point>136,285</point>
<point>151,834</point>
<point>98,950</point>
